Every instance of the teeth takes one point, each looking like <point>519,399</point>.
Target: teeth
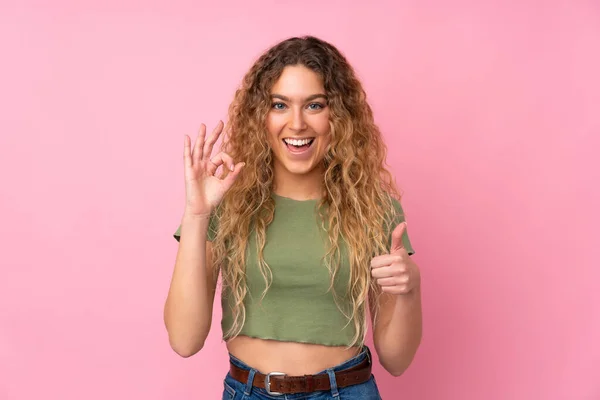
<point>297,142</point>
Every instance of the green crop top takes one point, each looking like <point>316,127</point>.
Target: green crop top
<point>298,306</point>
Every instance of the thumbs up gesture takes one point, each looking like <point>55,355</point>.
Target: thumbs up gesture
<point>396,273</point>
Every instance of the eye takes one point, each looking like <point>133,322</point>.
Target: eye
<point>316,106</point>
<point>278,106</point>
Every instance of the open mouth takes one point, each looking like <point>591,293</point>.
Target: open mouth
<point>298,145</point>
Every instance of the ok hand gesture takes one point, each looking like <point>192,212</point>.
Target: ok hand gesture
<point>203,189</point>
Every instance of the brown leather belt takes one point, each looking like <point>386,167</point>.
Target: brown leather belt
<point>277,383</point>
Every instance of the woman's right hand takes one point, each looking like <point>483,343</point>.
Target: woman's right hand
<point>203,189</point>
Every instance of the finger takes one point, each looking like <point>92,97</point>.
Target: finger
<point>223,158</point>
<point>385,260</point>
<point>398,289</point>
<point>397,237</point>
<point>220,159</point>
<point>383,272</point>
<point>187,156</point>
<point>208,146</point>
<point>197,153</point>
<point>391,281</point>
<point>231,177</point>
<point>401,279</point>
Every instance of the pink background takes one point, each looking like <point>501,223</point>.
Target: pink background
<point>491,113</point>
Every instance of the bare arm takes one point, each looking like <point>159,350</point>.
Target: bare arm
<point>397,332</point>
<point>398,328</point>
<point>189,305</point>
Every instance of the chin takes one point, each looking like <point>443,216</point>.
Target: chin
<point>296,169</point>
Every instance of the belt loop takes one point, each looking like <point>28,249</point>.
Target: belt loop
<point>333,383</point>
<point>250,382</point>
<point>310,383</point>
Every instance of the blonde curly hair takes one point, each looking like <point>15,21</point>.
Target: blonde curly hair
<point>358,190</point>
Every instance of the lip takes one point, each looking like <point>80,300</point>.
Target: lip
<point>299,155</point>
<point>298,138</point>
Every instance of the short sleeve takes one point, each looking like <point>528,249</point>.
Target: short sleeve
<point>213,226</point>
<point>398,218</point>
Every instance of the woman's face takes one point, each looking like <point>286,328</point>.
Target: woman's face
<point>298,121</point>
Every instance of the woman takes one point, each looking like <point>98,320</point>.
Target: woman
<point>303,224</point>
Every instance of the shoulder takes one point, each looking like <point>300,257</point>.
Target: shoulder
<point>397,205</point>
<point>392,205</point>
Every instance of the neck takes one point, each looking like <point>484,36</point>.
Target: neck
<point>296,186</point>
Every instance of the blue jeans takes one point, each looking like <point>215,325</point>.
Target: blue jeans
<point>235,390</point>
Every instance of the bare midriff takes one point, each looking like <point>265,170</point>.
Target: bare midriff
<point>288,357</point>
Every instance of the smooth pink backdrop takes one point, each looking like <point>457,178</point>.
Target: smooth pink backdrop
<point>491,113</point>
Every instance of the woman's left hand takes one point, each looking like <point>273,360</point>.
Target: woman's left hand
<point>396,273</point>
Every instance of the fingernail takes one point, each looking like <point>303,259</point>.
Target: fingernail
<point>231,167</point>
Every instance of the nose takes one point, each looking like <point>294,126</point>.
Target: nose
<point>297,123</point>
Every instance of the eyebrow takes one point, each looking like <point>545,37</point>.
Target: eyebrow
<point>309,98</point>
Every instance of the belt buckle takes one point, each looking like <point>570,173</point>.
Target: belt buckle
<point>268,383</point>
